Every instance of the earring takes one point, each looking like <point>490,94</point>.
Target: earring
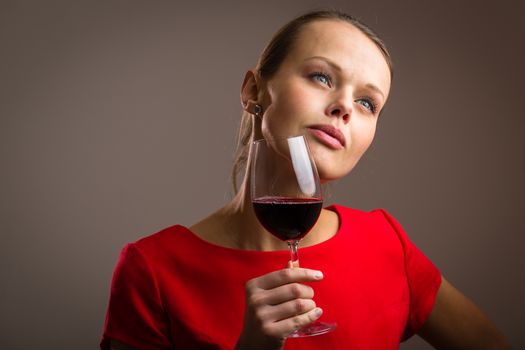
<point>257,110</point>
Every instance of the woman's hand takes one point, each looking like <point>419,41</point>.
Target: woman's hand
<point>276,305</point>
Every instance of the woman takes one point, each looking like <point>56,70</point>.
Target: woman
<point>220,283</point>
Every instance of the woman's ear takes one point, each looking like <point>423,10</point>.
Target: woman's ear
<point>249,91</point>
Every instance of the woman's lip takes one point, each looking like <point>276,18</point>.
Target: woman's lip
<point>329,135</point>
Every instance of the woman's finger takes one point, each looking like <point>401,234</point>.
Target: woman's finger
<point>285,276</point>
<point>283,294</point>
<point>289,309</point>
<point>286,326</point>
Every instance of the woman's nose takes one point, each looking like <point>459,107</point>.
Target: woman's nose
<point>341,108</point>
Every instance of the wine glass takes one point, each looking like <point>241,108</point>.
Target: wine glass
<point>287,199</point>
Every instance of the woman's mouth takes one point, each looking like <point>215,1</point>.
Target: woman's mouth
<point>328,135</point>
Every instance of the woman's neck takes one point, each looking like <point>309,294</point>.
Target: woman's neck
<point>250,233</point>
<point>236,226</point>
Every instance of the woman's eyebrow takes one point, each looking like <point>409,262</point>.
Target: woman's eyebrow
<point>332,64</point>
<point>375,89</point>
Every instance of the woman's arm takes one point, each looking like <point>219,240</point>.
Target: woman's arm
<point>456,323</point>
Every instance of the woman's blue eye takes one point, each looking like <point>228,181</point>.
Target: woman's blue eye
<point>322,78</point>
<point>367,104</point>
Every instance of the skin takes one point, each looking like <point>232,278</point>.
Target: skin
<point>333,75</point>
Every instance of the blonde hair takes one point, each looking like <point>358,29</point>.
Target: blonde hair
<point>271,58</point>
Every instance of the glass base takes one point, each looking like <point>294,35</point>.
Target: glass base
<point>315,328</point>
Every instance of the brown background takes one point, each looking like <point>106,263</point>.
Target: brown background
<point>118,119</point>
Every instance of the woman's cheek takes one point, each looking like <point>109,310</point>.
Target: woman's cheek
<point>330,165</point>
<point>280,122</point>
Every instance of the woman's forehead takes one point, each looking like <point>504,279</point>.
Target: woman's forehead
<point>334,37</point>
<point>345,45</point>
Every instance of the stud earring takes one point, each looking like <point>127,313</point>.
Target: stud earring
<point>257,110</point>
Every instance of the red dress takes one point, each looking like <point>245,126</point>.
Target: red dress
<point>172,290</point>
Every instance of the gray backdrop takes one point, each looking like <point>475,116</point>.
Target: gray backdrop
<point>118,119</point>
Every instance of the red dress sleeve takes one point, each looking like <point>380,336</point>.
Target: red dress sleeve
<point>423,278</point>
<point>135,313</point>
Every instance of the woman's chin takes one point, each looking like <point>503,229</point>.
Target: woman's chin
<point>332,169</point>
<point>329,175</point>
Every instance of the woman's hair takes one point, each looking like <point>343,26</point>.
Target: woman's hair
<point>271,59</point>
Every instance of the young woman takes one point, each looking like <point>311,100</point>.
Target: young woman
<point>220,283</point>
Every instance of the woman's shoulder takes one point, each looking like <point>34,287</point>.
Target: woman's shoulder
<point>378,215</point>
<point>172,236</point>
<point>376,224</point>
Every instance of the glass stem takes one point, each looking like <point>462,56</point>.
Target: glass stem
<point>294,256</point>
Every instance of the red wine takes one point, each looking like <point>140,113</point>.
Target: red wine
<point>287,218</point>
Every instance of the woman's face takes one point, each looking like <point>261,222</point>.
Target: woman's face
<point>331,88</point>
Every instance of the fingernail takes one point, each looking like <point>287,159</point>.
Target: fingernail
<point>318,312</point>
<point>318,275</point>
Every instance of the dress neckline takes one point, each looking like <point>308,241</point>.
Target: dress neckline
<point>321,245</point>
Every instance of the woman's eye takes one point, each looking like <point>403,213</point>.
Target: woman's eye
<point>322,78</point>
<point>367,104</point>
